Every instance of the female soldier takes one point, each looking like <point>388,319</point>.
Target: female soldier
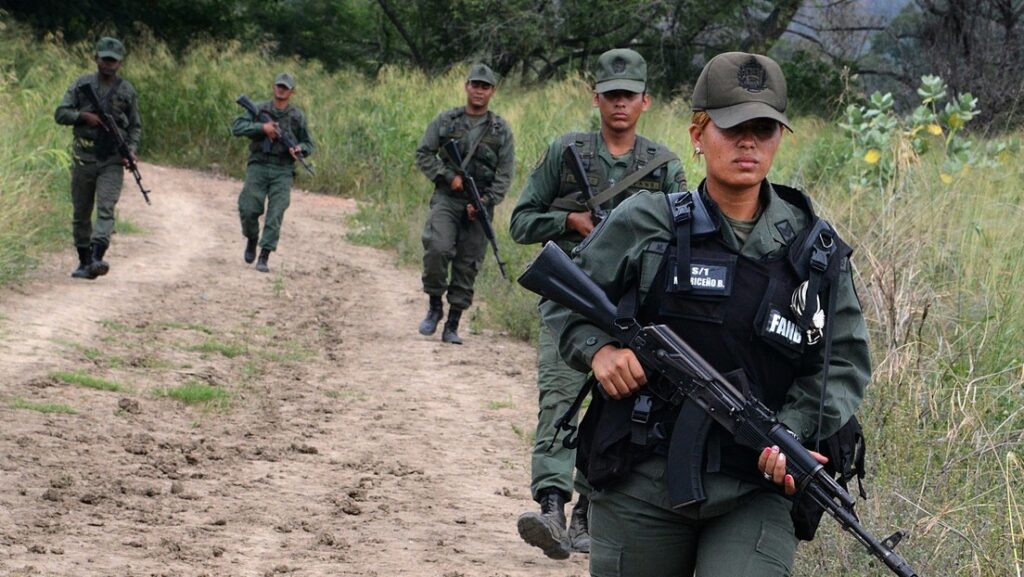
<point>744,271</point>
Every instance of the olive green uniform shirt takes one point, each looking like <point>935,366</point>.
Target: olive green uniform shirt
<point>494,185</point>
<point>533,219</point>
<point>290,119</point>
<point>125,111</point>
<point>613,255</point>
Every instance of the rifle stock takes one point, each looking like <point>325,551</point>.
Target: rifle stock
<point>451,148</point>
<point>684,373</point>
<point>286,139</point>
<point>111,127</point>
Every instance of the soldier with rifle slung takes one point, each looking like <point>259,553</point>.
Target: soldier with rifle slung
<point>761,288</point>
<point>100,152</point>
<point>454,242</point>
<point>582,176</point>
<point>278,136</point>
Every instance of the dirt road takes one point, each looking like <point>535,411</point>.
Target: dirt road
<point>339,442</point>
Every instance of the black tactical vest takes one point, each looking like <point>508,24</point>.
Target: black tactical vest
<point>735,313</point>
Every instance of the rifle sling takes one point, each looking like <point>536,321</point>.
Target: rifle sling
<point>476,143</point>
<point>571,203</point>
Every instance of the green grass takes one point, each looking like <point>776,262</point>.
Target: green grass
<point>495,405</point>
<point>84,380</point>
<point>197,394</point>
<point>214,346</point>
<point>43,407</point>
<point>939,266</point>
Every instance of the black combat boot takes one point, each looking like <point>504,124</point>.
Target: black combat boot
<point>547,528</point>
<point>84,262</point>
<point>435,312</point>
<point>261,264</point>
<point>99,267</point>
<point>579,525</point>
<point>250,250</point>
<point>449,334</point>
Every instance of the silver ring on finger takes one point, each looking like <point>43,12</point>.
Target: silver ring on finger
<point>767,477</point>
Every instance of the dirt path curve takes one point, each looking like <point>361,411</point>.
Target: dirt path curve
<point>340,442</point>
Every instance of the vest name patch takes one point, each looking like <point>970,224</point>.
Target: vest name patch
<point>710,277</point>
<point>779,326</point>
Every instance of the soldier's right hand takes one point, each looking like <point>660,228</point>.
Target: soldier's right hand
<point>91,119</point>
<point>618,371</point>
<point>581,222</point>
<point>456,183</point>
<point>270,129</point>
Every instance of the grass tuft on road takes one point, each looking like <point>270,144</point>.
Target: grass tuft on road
<point>85,380</point>
<point>197,394</point>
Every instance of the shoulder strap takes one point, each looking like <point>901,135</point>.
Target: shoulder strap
<point>479,139</point>
<point>620,186</point>
<point>692,220</point>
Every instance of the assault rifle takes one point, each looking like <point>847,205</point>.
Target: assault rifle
<point>452,149</point>
<point>285,138</point>
<point>111,128</point>
<point>572,159</point>
<point>685,375</point>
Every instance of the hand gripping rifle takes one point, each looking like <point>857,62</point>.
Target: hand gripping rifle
<point>685,375</point>
<point>452,149</point>
<point>285,138</point>
<point>572,159</point>
<point>111,127</point>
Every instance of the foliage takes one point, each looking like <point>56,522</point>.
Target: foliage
<point>938,266</point>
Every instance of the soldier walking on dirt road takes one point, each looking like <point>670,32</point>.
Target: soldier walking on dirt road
<point>97,170</point>
<point>451,238</point>
<point>617,162</point>
<point>271,169</point>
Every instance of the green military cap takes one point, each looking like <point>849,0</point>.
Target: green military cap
<point>621,69</point>
<point>285,79</point>
<point>108,47</point>
<point>482,73</point>
<point>735,87</point>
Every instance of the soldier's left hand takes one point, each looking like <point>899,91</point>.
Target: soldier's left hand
<point>471,211</point>
<point>296,152</point>
<point>772,464</point>
<point>127,162</point>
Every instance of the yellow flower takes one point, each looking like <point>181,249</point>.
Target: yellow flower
<point>935,129</point>
<point>955,121</point>
<point>946,179</point>
<point>872,156</point>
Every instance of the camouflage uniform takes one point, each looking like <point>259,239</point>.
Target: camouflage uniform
<point>742,524</point>
<point>97,172</point>
<point>269,174</point>
<point>541,215</point>
<point>450,240</point>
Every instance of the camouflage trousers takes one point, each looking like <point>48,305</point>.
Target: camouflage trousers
<point>451,241</point>
<point>95,185</point>
<point>270,186</point>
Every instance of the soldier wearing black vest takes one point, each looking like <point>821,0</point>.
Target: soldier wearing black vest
<point>761,287</point>
<point>618,163</point>
<point>451,239</point>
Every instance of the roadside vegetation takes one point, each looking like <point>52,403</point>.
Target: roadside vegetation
<point>935,216</point>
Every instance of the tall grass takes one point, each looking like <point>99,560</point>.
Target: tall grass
<point>939,267</point>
